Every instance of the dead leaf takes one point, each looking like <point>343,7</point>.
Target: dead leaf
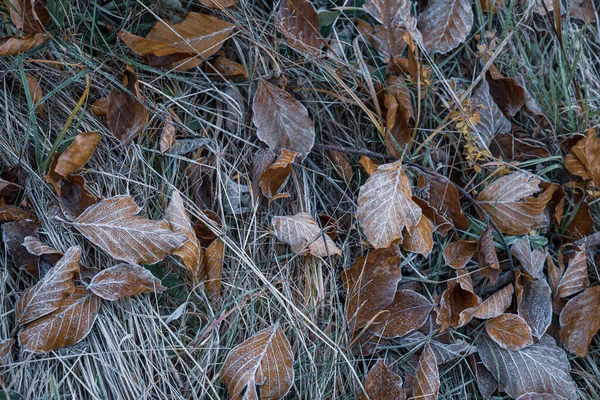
<point>534,303</point>
<point>35,93</point>
<point>542,367</point>
<point>575,278</point>
<point>486,383</point>
<point>580,321</point>
<point>394,17</point>
<point>582,223</point>
<point>408,312</point>
<point>167,135</point>
<point>184,146</point>
<point>390,13</point>
<point>445,24</point>
<point>532,261</point>
<point>442,195</point>
<point>228,68</point>
<point>5,347</point>
<point>458,254</point>
<point>427,378</point>
<point>342,165</point>
<point>488,258</point>
<point>368,164</point>
<point>383,384</point>
<point>399,113</point>
<point>510,202</point>
<point>13,213</point>
<point>509,331</point>
<point>75,157</point>
<point>262,364</point>
<point>191,252</point>
<point>51,291</point>
<point>441,225</point>
<point>13,235</point>
<point>517,146</point>
<point>458,304</point>
<point>303,234</point>
<point>388,41</point>
<point>584,158</point>
<point>508,95</point>
<point>9,46</point>
<point>281,121</point>
<point>218,3</point>
<point>74,196</point>
<point>69,324</point>
<point>124,280</point>
<point>541,396</point>
<point>385,206</point>
<point>112,224</point>
<point>100,107</point>
<point>582,10</point>
<point>214,265</point>
<point>421,239</point>
<point>127,116</point>
<point>8,190</point>
<point>35,246</point>
<point>28,16</point>
<point>496,304</point>
<point>491,119</point>
<point>298,21</point>
<point>274,177</point>
<point>262,159</point>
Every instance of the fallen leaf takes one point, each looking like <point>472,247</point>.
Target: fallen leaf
<point>444,352</point>
<point>281,121</point>
<point>191,252</point>
<point>218,3</point>
<point>262,159</point>
<point>262,364</point>
<point>488,258</point>
<point>28,16</point>
<point>399,113</point>
<point>9,46</point>
<point>517,146</point>
<point>496,304</point>
<point>5,347</point>
<point>540,396</point>
<point>385,205</point>
<point>442,195</point>
<point>510,202</point>
<point>534,303</point>
<point>581,224</point>
<point>421,239</point>
<point>35,93</point>
<point>303,234</point>
<point>74,196</point>
<point>273,178</point>
<point>542,367</point>
<point>584,158</point>
<point>124,280</point>
<point>368,164</point>
<point>112,224</point>
<point>508,95</point>
<point>394,17</point>
<point>13,213</point>
<point>383,384</point>
<point>491,119</point>
<point>35,246</point>
<point>167,135</point>
<point>390,12</point>
<point>184,146</point>
<point>532,261</point>
<point>8,190</point>
<point>342,165</point>
<point>298,21</point>
<point>509,331</point>
<point>69,324</point>
<point>458,304</point>
<point>214,265</point>
<point>458,254</point>
<point>408,312</point>
<point>228,68</point>
<point>575,278</point>
<point>486,383</point>
<point>371,284</point>
<point>427,378</point>
<point>388,41</point>
<point>441,225</point>
<point>445,24</point>
<point>100,107</point>
<point>127,116</point>
<point>75,157</point>
<point>580,321</point>
<point>237,197</point>
<point>582,10</point>
<point>51,291</point>
<point>13,235</point>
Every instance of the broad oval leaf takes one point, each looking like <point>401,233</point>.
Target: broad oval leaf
<point>383,384</point>
<point>542,367</point>
<point>77,154</point>
<point>281,121</point>
<point>575,278</point>
<point>13,235</point>
<point>303,234</point>
<point>580,321</point>
<point>442,195</point>
<point>420,240</point>
<point>427,378</point>
<point>496,304</point>
<point>458,254</point>
<point>124,280</point>
<point>112,224</point>
<point>385,205</point>
<point>445,24</point>
<point>262,364</point>
<point>28,15</point>
<point>69,324</point>
<point>298,21</point>
<point>408,311</point>
<point>510,331</point>
<point>584,158</point>
<point>531,260</point>
<point>51,291</point>
<point>534,303</point>
<point>507,94</point>
<point>9,46</point>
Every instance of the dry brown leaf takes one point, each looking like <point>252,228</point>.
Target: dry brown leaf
<point>281,121</point>
<point>28,15</point>
<point>427,378</point>
<point>394,17</point>
<point>575,278</point>
<point>580,321</point>
<point>458,304</point>
<point>420,240</point>
<point>214,265</point>
<point>531,260</point>
<point>508,95</point>
<point>342,165</point>
<point>13,213</point>
<point>582,10</point>
<point>441,225</point>
<point>554,274</point>
<point>445,24</point>
<point>510,202</point>
<point>35,246</point>
<point>218,3</point>
<point>51,291</point>
<point>517,146</point>
<point>75,157</point>
<point>228,68</point>
<point>491,119</point>
<point>534,303</point>
<point>541,396</point>
<point>262,364</point>
<point>584,158</point>
<point>582,223</point>
<point>262,159</point>
<point>191,252</point>
<point>408,312</point>
<point>368,164</point>
<point>542,367</point>
<point>67,325</point>
<point>458,254</point>
<point>100,107</point>
<point>8,189</point>
<point>388,41</point>
<point>510,331</point>
<point>496,304</point>
<point>390,13</point>
<point>486,383</point>
<point>9,46</point>
<point>385,206</point>
<point>371,284</point>
<point>298,21</point>
<point>112,224</point>
<point>167,135</point>
<point>303,234</point>
<point>124,280</point>
<point>273,178</point>
<point>383,384</point>
<point>74,196</point>
<point>5,347</point>
<point>35,93</point>
<point>13,235</point>
<point>442,195</point>
<point>399,113</point>
<point>488,258</point>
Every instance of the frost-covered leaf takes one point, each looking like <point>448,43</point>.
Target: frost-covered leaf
<point>488,258</point>
<point>427,378</point>
<point>458,304</point>
<point>35,93</point>
<point>126,114</point>
<point>496,304</point>
<point>458,254</point>
<point>9,46</point>
<point>575,278</point>
<point>304,235</point>
<point>542,367</point>
<point>112,224</point>
<point>420,240</point>
<point>486,383</point>
<point>281,121</point>
<point>214,265</point>
<point>184,146</point>
<point>534,303</point>
<point>51,291</point>
<point>385,205</point>
<point>584,158</point>
<point>531,260</point>
<point>261,365</point>
<point>275,175</point>
<point>491,119</point>
<point>508,95</point>
<point>394,17</point>
<point>408,311</point>
<point>5,346</point>
<point>13,235</point>
<point>445,24</point>
<point>67,325</point>
<point>13,213</point>
<point>124,280</point>
<point>28,15</point>
<point>76,155</point>
<point>442,195</point>
<point>580,321</point>
<point>167,135</point>
<point>540,396</point>
<point>509,331</point>
<point>298,21</point>
<point>383,384</point>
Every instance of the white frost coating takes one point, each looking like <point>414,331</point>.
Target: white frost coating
<point>124,280</point>
<point>531,260</point>
<point>542,367</point>
<point>575,278</point>
<point>303,234</point>
<point>496,304</point>
<point>535,305</point>
<point>491,119</point>
<point>445,24</point>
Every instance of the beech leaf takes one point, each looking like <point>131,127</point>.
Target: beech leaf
<point>458,304</point>
<point>13,235</point>
<point>262,364</point>
<point>214,265</point>
<point>13,213</point>
<point>28,15</point>
<point>124,280</point>
<point>408,311</point>
<point>383,384</point>
<point>531,260</point>
<point>9,46</point>
<point>304,235</point>
<point>76,155</point>
<point>491,119</point>
<point>580,321</point>
<point>420,240</point>
<point>445,24</point>
<point>427,378</point>
<point>496,304</point>
<point>534,303</point>
<point>510,331</point>
<point>442,195</point>
<point>508,95</point>
<point>458,254</point>
<point>35,92</point>
<point>575,278</point>
<point>584,158</point>
<point>277,173</point>
<point>488,258</point>
<point>298,21</point>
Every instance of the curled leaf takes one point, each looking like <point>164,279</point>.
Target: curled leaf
<point>420,240</point>
<point>9,46</point>
<point>496,304</point>
<point>276,174</point>
<point>584,158</point>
